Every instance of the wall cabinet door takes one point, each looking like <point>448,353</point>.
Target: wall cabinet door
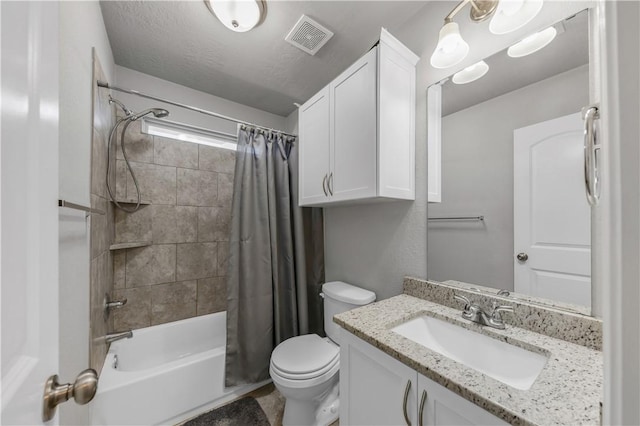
<point>440,406</point>
<point>314,149</point>
<point>353,130</point>
<point>373,386</point>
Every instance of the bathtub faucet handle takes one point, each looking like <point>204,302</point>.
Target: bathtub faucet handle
<point>112,304</point>
<point>116,303</point>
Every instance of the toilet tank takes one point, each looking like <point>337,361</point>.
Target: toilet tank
<point>341,297</point>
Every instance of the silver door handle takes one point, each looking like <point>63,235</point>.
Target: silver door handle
<point>404,403</point>
<point>421,410</point>
<point>330,184</point>
<point>522,257</point>
<point>591,180</point>
<point>324,182</point>
<point>82,391</point>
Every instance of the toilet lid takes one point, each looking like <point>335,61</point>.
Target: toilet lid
<point>304,354</point>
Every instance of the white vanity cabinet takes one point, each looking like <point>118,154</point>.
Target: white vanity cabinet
<point>357,135</point>
<point>376,389</point>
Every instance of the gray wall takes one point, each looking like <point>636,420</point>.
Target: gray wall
<point>477,178</point>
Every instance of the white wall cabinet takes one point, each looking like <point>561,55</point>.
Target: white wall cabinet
<point>376,389</point>
<point>357,135</point>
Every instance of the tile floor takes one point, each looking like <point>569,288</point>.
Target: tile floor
<point>272,403</point>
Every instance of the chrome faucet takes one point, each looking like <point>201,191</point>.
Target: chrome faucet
<point>475,313</point>
<point>119,335</point>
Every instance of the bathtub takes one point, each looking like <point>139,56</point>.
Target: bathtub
<point>165,374</point>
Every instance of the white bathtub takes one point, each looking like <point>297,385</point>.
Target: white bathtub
<point>165,374</point>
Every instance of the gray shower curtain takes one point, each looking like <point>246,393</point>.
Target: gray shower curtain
<point>276,263</point>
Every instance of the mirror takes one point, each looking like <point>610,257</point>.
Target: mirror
<point>513,213</point>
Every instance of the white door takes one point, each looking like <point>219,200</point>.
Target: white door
<point>353,131</point>
<point>29,212</point>
<point>552,226</point>
<point>314,149</point>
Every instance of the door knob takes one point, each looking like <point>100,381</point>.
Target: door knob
<point>82,391</point>
<point>522,257</point>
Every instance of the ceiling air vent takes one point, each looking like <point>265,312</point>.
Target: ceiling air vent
<point>308,36</point>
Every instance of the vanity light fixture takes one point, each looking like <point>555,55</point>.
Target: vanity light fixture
<point>508,15</point>
<point>513,14</point>
<point>533,43</point>
<point>238,15</point>
<point>471,73</point>
<point>451,48</point>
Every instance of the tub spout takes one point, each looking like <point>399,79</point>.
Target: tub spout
<point>119,335</point>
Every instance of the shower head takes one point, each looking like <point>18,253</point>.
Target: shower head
<point>157,112</point>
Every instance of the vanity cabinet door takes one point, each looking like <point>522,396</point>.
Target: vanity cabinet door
<point>373,386</point>
<point>314,149</point>
<point>444,407</point>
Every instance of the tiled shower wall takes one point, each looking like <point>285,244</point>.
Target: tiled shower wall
<point>102,226</point>
<point>186,224</point>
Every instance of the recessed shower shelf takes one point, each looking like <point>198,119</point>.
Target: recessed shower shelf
<point>122,246</point>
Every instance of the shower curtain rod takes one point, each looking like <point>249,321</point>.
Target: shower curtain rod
<point>192,108</point>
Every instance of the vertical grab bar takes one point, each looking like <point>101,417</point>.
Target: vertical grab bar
<point>591,178</point>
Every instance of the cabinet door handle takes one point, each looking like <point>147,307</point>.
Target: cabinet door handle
<point>330,184</point>
<point>404,403</point>
<point>324,188</point>
<point>421,410</point>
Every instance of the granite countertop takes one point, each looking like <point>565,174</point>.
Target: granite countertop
<point>568,390</point>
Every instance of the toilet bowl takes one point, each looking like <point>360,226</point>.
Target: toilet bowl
<point>305,369</point>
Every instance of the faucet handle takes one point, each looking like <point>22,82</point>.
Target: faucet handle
<point>463,299</point>
<point>500,308</point>
<point>116,303</point>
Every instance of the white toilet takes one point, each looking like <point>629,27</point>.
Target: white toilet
<point>305,369</point>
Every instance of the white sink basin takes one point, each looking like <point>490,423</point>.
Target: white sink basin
<point>509,364</point>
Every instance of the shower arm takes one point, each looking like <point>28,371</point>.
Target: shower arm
<point>126,110</point>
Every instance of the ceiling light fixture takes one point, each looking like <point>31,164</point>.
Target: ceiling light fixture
<point>471,73</point>
<point>509,15</point>
<point>238,15</point>
<point>533,43</point>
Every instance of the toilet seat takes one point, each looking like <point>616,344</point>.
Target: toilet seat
<point>304,358</point>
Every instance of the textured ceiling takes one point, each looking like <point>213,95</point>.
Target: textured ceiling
<point>181,41</point>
